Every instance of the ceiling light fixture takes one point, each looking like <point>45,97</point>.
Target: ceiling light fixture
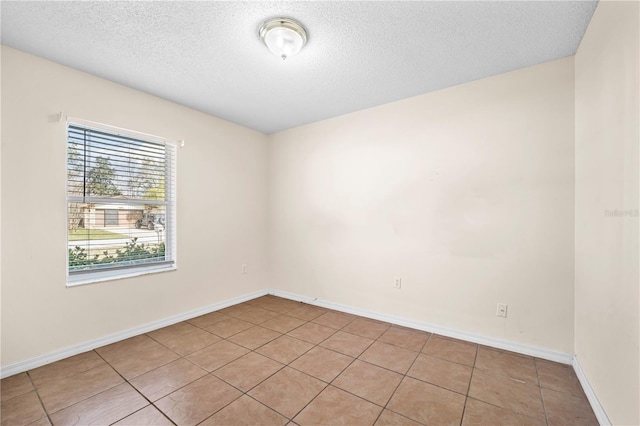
<point>283,36</point>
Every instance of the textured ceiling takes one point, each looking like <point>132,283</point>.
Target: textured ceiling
<point>207,55</point>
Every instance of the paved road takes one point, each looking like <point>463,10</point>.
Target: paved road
<point>144,236</point>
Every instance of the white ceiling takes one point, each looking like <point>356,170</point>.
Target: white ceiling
<point>207,55</point>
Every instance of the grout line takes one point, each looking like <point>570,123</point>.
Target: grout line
<point>466,397</point>
<point>271,375</point>
<point>430,335</point>
<point>302,372</point>
<point>242,393</point>
<point>391,397</point>
<point>288,364</point>
<point>90,396</point>
<point>317,345</point>
<point>208,373</point>
<point>214,323</point>
<point>175,352</point>
<point>326,384</point>
<point>46,412</point>
<point>404,376</point>
<point>399,383</point>
<point>260,345</point>
<point>134,388</point>
<point>254,386</point>
<point>544,406</point>
<point>146,406</point>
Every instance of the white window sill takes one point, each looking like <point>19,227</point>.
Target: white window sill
<point>101,276</point>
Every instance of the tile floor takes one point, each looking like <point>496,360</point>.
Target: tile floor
<point>272,361</point>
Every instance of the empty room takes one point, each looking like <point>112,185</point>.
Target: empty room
<point>320,212</point>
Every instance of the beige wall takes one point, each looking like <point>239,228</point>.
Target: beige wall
<point>607,161</point>
<point>222,197</point>
<point>465,193</point>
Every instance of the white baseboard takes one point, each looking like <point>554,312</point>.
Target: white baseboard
<point>598,409</point>
<point>548,354</point>
<point>535,351</point>
<point>38,361</point>
<point>41,360</point>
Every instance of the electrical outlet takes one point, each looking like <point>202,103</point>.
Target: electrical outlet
<point>397,283</point>
<point>502,310</point>
<point>244,268</point>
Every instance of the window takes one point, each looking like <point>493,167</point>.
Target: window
<point>120,204</point>
<point>111,217</point>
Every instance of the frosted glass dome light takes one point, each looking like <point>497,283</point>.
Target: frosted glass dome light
<point>284,37</point>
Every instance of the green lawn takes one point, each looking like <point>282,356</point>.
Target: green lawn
<point>93,234</point>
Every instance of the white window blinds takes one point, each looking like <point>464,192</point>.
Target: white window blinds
<point>120,203</point>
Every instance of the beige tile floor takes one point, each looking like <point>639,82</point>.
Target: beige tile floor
<point>272,361</point>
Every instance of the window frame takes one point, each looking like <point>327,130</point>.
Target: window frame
<point>121,272</point>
